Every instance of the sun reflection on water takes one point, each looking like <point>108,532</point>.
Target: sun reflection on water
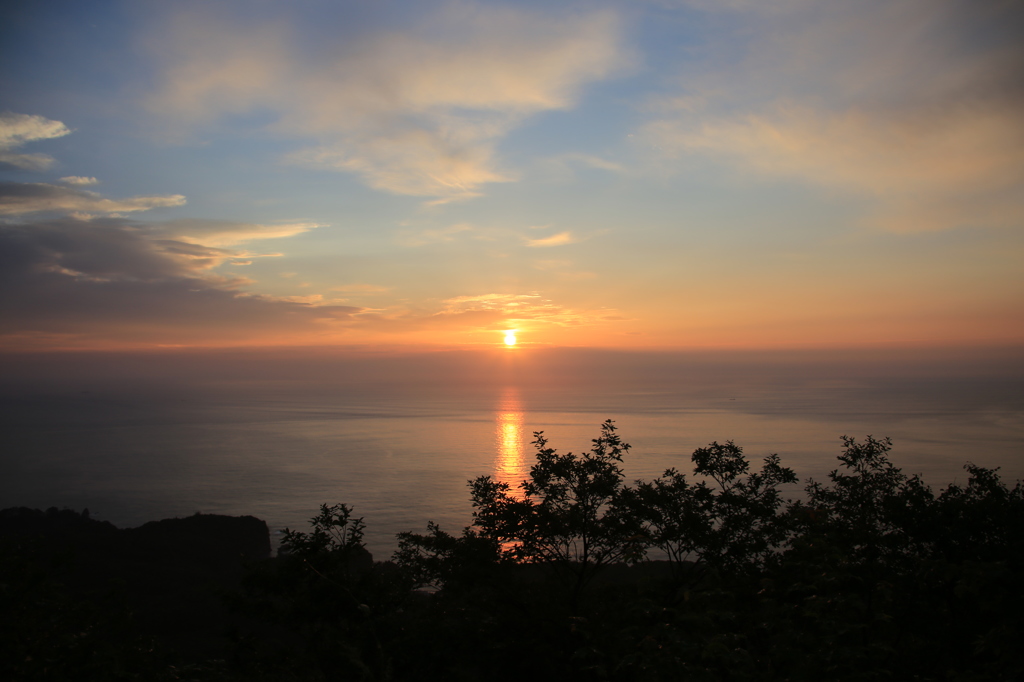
<point>509,465</point>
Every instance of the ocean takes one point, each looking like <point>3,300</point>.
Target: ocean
<point>401,452</point>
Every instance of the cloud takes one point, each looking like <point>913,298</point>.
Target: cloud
<point>490,302</point>
<point>432,236</point>
<point>415,112</point>
<point>563,161</point>
<point>554,240</point>
<point>104,249</point>
<point>767,6</point>
<point>915,106</point>
<point>19,129</point>
<point>310,299</point>
<point>577,276</point>
<point>38,197</point>
<point>413,162</point>
<point>594,162</point>
<point>552,264</point>
<point>506,310</point>
<point>361,289</point>
<point>559,267</point>
<point>228,233</point>
<point>110,280</point>
<point>79,180</point>
<point>929,170</point>
<point>465,316</point>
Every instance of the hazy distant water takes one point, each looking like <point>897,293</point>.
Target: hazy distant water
<point>402,455</point>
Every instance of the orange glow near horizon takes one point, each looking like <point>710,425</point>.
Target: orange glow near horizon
<point>509,465</point>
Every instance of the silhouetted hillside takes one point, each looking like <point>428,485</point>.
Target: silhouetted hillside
<point>167,578</point>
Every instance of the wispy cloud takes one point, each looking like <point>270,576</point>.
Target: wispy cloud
<point>928,170</point>
<point>361,289</point>
<point>577,276</point>
<point>552,264</point>
<point>79,180</point>
<point>19,129</point>
<point>18,198</point>
<point>506,310</point>
<point>414,112</point>
<point>564,162</point>
<point>561,270</point>
<point>228,233</point>
<point>433,235</point>
<point>309,299</point>
<point>554,240</point>
<point>492,302</point>
<point>902,103</point>
<point>594,162</point>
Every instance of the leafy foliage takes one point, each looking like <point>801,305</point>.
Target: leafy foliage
<point>870,504</point>
<point>47,633</point>
<point>567,517</point>
<point>324,594</point>
<point>335,544</point>
<point>438,559</point>
<point>888,578</point>
<point>733,525</point>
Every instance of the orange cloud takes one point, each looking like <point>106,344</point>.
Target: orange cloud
<point>361,289</point>
<point>229,233</point>
<point>554,240</point>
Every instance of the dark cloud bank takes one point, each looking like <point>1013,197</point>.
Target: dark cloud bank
<point>111,278</point>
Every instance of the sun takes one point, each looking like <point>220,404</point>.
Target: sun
<point>510,337</point>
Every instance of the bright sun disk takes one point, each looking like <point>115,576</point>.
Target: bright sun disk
<point>510,338</point>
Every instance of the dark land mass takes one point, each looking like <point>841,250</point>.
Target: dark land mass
<point>165,580</point>
<point>84,599</point>
<point>874,576</point>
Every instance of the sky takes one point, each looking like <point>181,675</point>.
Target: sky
<point>687,174</point>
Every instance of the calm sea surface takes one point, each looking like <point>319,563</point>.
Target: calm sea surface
<point>402,455</point>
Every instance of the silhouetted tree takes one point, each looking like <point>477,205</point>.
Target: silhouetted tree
<point>440,560</point>
<point>735,524</point>
<point>566,517</point>
<point>322,589</point>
